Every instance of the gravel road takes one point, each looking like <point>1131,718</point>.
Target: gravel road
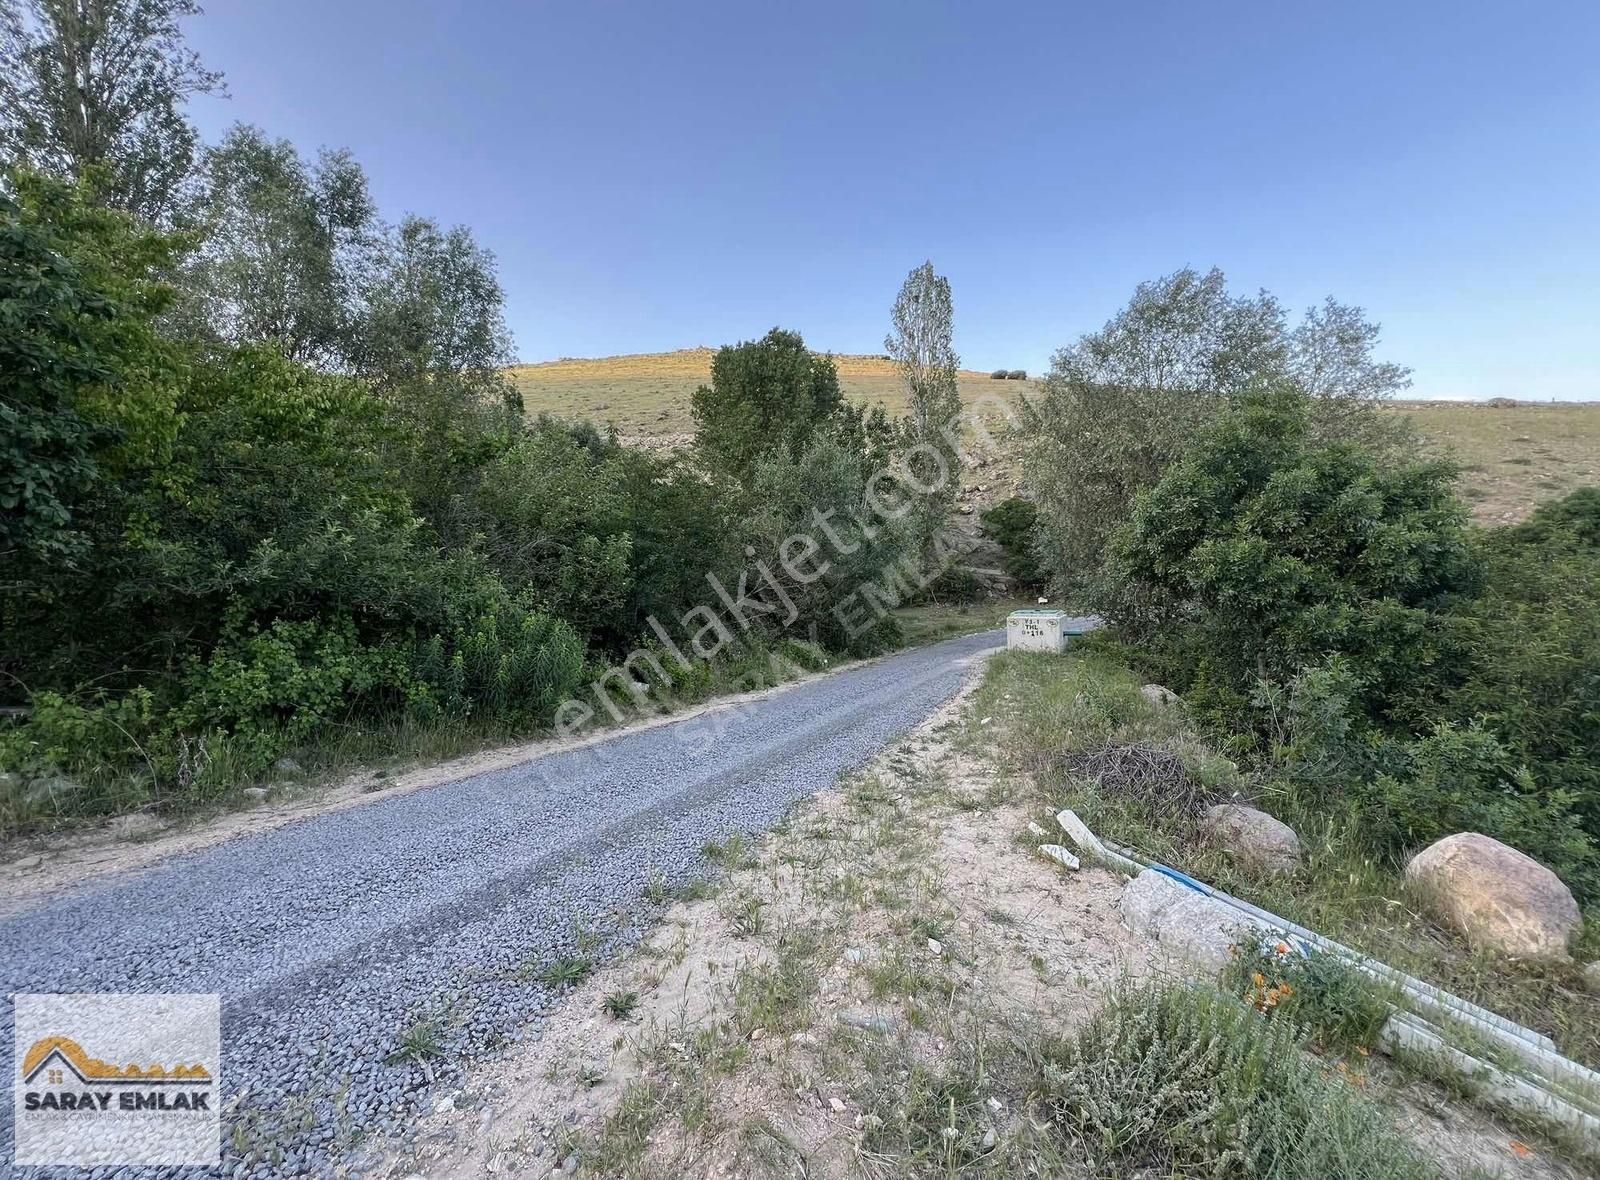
<point>330,938</point>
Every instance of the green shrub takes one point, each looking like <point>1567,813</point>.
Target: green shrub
<point>1333,1004</point>
<point>280,685</point>
<point>1010,524</point>
<point>1263,550</point>
<point>1462,779</point>
<point>1173,1080</point>
<point>1532,640</point>
<point>1408,790</point>
<point>510,663</point>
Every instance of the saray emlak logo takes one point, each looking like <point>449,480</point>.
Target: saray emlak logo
<point>116,1078</point>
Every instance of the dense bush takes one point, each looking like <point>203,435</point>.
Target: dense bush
<point>999,375</point>
<point>238,563</point>
<point>1334,616</point>
<point>1263,550</point>
<point>1017,375</point>
<point>215,553</point>
<point>1407,790</point>
<point>1533,640</point>
<point>1010,524</point>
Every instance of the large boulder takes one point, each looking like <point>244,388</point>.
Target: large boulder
<point>1254,838</point>
<point>1496,896</point>
<point>1189,925</point>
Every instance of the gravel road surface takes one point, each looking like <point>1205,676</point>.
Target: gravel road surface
<point>436,912</point>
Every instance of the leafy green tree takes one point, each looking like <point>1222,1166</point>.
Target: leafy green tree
<point>431,339</point>
<point>1263,550</point>
<point>96,89</point>
<point>1122,403</point>
<point>766,395</point>
<point>47,350</point>
<point>435,310</point>
<point>553,515</point>
<point>922,346</point>
<point>287,248</point>
<point>841,559</point>
<point>87,387</point>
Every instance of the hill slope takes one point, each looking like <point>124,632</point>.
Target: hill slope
<point>1512,457</point>
<point>648,393</point>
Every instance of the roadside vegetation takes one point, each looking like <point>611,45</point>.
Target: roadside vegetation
<point>270,505</point>
<point>1141,775</point>
<point>1268,545</point>
<point>924,995</point>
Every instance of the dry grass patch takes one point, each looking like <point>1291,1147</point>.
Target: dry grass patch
<point>647,394</point>
<point>1514,458</point>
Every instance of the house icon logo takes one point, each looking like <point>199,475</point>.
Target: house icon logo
<point>116,1078</point>
<point>56,1060</point>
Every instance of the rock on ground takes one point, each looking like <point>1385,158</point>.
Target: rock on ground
<point>1496,896</point>
<point>1591,977</point>
<point>1190,925</point>
<point>1254,837</point>
<point>1158,694</point>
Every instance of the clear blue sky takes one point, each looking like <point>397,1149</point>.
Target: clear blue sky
<point>658,175</point>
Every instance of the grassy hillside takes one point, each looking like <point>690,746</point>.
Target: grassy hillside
<point>648,393</point>
<point>1512,457</point>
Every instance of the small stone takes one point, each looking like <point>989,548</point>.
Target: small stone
<point>1254,838</point>
<point>288,766</point>
<point>1591,977</point>
<point>855,954</point>
<point>838,1107</point>
<point>994,1104</point>
<point>884,1025</point>
<point>936,946</point>
<point>757,1034</point>
<point>445,1105</point>
<point>28,862</point>
<point>1159,695</point>
<point>255,794</point>
<point>988,1139</point>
